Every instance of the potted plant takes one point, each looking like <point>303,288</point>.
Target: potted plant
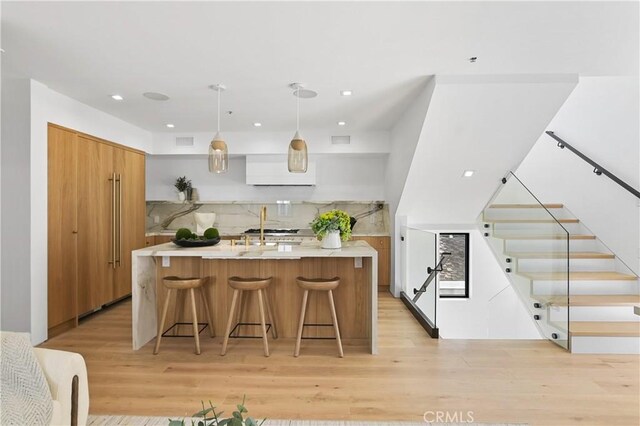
<point>332,228</point>
<point>210,417</point>
<point>182,185</point>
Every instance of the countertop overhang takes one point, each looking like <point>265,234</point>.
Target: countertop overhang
<point>224,250</point>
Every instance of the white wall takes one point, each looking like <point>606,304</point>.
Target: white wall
<point>15,224</point>
<point>601,119</point>
<point>404,139</point>
<point>338,178</point>
<point>493,309</point>
<point>50,106</point>
<point>264,142</point>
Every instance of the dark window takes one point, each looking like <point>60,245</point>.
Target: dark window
<point>453,281</point>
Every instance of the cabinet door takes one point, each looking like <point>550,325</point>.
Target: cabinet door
<point>95,224</point>
<point>382,246</point>
<point>62,227</point>
<point>130,166</point>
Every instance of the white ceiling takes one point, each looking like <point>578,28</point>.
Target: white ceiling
<point>382,51</point>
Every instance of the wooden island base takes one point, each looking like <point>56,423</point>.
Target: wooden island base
<point>352,297</point>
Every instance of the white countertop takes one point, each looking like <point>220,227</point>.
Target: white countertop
<point>224,250</point>
<point>358,234</point>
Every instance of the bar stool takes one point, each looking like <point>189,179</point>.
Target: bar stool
<point>318,284</point>
<point>239,286</point>
<point>183,284</point>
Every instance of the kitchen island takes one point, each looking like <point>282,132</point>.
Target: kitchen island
<point>356,263</point>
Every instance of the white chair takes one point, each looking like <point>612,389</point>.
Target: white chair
<point>66,375</point>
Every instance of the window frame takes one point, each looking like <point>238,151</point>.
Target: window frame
<point>467,293</point>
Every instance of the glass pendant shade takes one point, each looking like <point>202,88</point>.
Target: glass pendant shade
<point>218,155</point>
<point>298,158</point>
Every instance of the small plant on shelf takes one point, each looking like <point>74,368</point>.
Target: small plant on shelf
<point>210,417</point>
<point>182,184</point>
<point>333,220</point>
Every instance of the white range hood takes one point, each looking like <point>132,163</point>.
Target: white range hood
<point>272,170</point>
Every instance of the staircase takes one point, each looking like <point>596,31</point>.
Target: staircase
<point>580,294</point>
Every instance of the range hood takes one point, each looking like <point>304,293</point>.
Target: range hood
<point>271,170</point>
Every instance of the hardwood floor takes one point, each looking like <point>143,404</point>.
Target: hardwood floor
<point>499,381</point>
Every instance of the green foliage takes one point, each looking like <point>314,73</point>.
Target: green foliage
<point>182,184</point>
<point>333,220</point>
<point>211,418</point>
<point>183,234</point>
<point>211,233</point>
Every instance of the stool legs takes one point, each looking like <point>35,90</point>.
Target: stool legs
<point>242,299</point>
<point>195,320</point>
<point>334,319</point>
<point>203,294</point>
<point>303,312</point>
<point>274,331</point>
<point>161,323</point>
<point>229,322</point>
<point>263,323</point>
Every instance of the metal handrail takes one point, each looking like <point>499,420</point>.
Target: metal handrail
<point>432,274</point>
<point>597,168</point>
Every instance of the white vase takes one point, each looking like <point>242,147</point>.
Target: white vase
<point>181,196</point>
<point>332,240</point>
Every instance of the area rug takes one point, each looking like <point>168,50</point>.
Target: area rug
<point>163,421</point>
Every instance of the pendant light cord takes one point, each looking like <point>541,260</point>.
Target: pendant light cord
<point>218,108</point>
<point>298,109</point>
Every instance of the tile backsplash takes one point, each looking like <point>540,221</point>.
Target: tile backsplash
<point>235,218</point>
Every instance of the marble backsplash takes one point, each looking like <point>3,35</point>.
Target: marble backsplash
<point>235,218</point>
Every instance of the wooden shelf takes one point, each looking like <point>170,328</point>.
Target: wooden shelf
<point>605,328</point>
<point>591,299</point>
<point>560,255</point>
<point>578,276</point>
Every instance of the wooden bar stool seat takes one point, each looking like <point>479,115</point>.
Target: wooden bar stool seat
<point>187,285</point>
<point>239,286</point>
<point>318,284</point>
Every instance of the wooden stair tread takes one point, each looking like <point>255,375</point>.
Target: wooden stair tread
<point>526,206</point>
<point>567,220</point>
<point>590,299</point>
<point>579,276</point>
<point>561,255</point>
<point>605,328</point>
<point>546,237</point>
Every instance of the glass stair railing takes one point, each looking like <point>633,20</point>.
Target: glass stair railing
<point>531,242</point>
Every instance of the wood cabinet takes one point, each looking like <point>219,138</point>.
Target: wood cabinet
<point>99,187</point>
<point>62,223</point>
<point>383,247</point>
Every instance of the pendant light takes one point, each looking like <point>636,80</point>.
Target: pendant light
<point>218,153</point>
<point>298,158</point>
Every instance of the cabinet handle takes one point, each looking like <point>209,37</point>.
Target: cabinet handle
<point>112,259</point>
<point>119,235</point>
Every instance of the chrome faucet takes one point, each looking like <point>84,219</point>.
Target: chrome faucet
<point>263,218</point>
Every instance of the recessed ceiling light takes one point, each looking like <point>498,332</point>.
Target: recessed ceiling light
<point>468,173</point>
<point>342,123</point>
<point>171,126</point>
<point>154,96</point>
<point>117,97</point>
<point>346,92</point>
<point>256,124</point>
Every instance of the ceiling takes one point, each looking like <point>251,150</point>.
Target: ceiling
<point>383,51</point>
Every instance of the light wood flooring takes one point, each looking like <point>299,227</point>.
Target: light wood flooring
<point>532,382</point>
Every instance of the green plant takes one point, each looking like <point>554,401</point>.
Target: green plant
<point>183,234</point>
<point>211,233</point>
<point>333,220</point>
<point>182,184</point>
<point>215,419</point>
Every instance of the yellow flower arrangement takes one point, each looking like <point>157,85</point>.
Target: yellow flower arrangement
<point>333,220</point>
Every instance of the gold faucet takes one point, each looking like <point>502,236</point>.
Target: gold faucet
<point>263,218</point>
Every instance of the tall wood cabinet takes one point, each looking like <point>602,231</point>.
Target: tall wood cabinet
<point>96,218</point>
